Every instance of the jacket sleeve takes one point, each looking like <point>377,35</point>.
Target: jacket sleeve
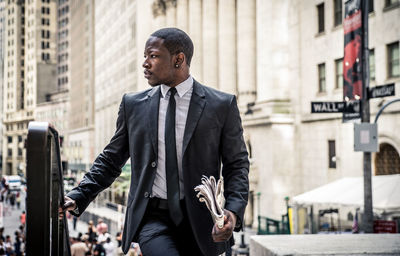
<point>235,169</point>
<point>107,166</point>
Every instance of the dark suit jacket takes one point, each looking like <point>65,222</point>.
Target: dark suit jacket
<point>213,136</point>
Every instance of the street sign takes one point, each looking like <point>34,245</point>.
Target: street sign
<point>327,107</point>
<point>382,91</point>
<point>385,226</point>
<point>352,111</point>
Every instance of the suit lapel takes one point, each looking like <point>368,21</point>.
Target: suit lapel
<point>196,107</point>
<point>153,102</point>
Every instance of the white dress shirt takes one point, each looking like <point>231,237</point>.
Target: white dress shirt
<point>182,99</point>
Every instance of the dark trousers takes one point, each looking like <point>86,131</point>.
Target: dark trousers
<point>159,235</point>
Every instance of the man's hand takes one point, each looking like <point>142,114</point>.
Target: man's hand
<point>69,205</point>
<point>224,233</point>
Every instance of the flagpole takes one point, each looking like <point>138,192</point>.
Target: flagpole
<point>367,222</point>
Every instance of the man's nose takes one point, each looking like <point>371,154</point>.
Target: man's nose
<point>145,64</point>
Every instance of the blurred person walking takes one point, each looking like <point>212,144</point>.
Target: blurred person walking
<point>78,248</point>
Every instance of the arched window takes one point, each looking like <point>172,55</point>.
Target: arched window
<point>387,160</point>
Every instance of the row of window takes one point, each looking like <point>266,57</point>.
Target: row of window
<point>393,67</point>
<point>62,69</point>
<point>63,45</point>
<point>62,80</point>
<point>45,56</point>
<point>45,45</point>
<point>45,22</point>
<point>338,12</point>
<point>45,10</point>
<point>63,11</point>
<point>62,57</point>
<point>63,22</point>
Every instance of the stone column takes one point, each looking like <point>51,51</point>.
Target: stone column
<point>227,46</point>
<point>182,10</point>
<point>210,43</point>
<point>195,33</point>
<point>246,45</point>
<point>171,14</point>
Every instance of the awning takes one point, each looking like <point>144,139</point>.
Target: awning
<point>350,192</point>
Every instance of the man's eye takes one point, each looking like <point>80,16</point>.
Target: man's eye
<point>153,56</point>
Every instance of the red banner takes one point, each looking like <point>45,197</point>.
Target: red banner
<point>352,61</point>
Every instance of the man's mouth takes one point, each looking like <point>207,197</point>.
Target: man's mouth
<point>147,74</point>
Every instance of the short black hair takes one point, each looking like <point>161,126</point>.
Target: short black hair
<point>176,41</point>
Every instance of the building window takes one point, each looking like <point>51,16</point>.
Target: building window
<point>370,6</point>
<point>372,64</point>
<point>9,139</point>
<point>19,151</point>
<point>389,3</point>
<point>393,60</point>
<point>321,78</point>
<point>9,152</point>
<point>339,73</point>
<point>19,138</point>
<point>321,18</point>
<point>338,12</point>
<point>332,153</point>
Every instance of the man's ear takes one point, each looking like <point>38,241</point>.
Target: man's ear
<point>179,59</point>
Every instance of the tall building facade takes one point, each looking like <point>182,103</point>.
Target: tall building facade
<point>277,57</point>
<point>116,63</point>
<point>29,72</point>
<point>80,141</point>
<point>2,39</point>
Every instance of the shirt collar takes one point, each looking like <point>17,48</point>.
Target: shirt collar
<point>181,88</point>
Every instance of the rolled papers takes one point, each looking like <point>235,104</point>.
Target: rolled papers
<point>211,193</point>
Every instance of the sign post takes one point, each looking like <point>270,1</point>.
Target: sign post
<point>368,217</point>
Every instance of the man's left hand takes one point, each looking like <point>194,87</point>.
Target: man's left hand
<point>224,233</point>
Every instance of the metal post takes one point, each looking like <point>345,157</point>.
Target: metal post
<point>367,223</point>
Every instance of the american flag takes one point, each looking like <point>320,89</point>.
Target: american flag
<point>355,228</point>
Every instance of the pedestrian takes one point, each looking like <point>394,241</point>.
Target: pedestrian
<point>18,244</point>
<point>18,200</point>
<point>12,200</point>
<point>23,218</point>
<point>3,248</point>
<point>78,248</point>
<point>109,247</point>
<point>91,231</point>
<point>74,221</point>
<point>173,133</point>
<point>98,248</point>
<point>101,227</point>
<point>8,244</point>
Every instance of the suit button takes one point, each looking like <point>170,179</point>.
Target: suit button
<point>153,164</point>
<point>146,194</point>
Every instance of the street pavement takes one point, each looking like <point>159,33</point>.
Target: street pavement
<point>11,216</point>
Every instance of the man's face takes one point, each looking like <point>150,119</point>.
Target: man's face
<point>158,63</point>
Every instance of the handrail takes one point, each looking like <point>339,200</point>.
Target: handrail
<point>46,233</point>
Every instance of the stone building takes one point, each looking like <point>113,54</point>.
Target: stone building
<point>2,28</point>
<point>115,64</point>
<point>29,72</point>
<point>80,142</point>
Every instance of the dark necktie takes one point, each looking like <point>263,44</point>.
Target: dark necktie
<point>171,162</point>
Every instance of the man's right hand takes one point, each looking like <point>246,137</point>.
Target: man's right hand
<point>69,205</point>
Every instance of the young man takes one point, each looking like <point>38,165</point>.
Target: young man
<point>174,133</point>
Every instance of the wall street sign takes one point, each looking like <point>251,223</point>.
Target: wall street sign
<point>382,91</point>
<point>327,107</point>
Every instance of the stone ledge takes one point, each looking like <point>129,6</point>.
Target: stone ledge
<point>340,244</point>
